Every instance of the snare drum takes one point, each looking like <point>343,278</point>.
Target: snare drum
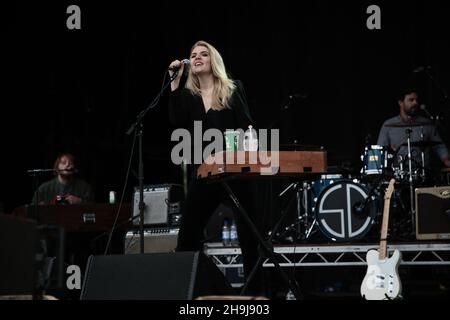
<point>342,213</point>
<point>375,160</point>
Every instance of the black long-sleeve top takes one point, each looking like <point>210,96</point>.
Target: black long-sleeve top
<point>185,108</point>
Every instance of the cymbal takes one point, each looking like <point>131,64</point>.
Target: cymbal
<point>408,125</point>
<point>423,144</point>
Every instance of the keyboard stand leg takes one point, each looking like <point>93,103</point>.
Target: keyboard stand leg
<point>266,250</point>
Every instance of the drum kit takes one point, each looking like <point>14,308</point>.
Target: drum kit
<point>345,207</point>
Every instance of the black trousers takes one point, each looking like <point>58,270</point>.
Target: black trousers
<point>201,201</point>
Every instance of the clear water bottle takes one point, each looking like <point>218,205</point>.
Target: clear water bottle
<point>226,232</point>
<point>250,139</point>
<point>234,235</point>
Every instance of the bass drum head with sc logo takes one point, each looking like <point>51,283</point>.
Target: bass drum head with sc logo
<point>342,213</point>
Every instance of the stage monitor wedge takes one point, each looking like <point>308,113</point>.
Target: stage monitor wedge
<point>153,276</point>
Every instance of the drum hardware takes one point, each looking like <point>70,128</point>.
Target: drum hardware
<point>414,176</point>
<point>308,231</point>
<point>305,204</point>
<point>411,185</point>
<point>401,172</point>
<point>296,226</point>
<point>360,206</point>
<point>303,222</point>
<point>302,225</point>
<point>422,145</point>
<point>422,154</point>
<point>401,221</point>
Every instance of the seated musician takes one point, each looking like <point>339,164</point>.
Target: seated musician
<point>65,188</point>
<point>423,135</point>
<point>219,102</point>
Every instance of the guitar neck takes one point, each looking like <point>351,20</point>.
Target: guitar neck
<point>385,224</point>
<point>384,229</point>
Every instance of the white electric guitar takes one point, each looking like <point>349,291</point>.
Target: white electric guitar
<point>381,281</point>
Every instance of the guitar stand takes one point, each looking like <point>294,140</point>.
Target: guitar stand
<point>266,249</point>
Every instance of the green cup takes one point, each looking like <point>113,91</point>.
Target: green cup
<point>231,140</point>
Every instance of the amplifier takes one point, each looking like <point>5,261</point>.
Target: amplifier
<point>162,205</point>
<point>155,240</point>
<point>433,213</point>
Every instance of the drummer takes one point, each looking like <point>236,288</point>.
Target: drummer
<point>423,134</point>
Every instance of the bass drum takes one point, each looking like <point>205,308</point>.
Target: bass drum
<point>342,212</point>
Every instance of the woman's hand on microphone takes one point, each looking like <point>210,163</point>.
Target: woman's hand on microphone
<point>176,64</point>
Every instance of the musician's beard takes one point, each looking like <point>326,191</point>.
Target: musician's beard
<point>412,112</point>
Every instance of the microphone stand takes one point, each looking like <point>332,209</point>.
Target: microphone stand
<point>35,173</point>
<point>286,105</point>
<point>444,94</point>
<point>138,128</point>
<point>436,121</point>
<point>411,186</point>
<point>422,153</point>
<point>436,83</point>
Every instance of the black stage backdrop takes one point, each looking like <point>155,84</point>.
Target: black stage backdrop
<point>80,90</point>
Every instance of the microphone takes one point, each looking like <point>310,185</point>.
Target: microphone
<point>184,61</point>
<point>298,96</point>
<point>420,69</point>
<point>292,97</point>
<point>424,109</point>
<point>359,207</point>
<point>68,171</point>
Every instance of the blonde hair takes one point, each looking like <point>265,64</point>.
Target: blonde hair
<point>223,85</point>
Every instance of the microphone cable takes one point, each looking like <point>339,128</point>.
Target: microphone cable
<point>127,175</point>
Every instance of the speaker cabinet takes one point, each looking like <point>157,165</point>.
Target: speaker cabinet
<point>155,240</point>
<point>433,213</point>
<point>18,248</point>
<point>162,205</point>
<point>153,276</point>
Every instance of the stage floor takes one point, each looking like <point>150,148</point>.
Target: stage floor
<point>336,270</point>
<point>351,254</point>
